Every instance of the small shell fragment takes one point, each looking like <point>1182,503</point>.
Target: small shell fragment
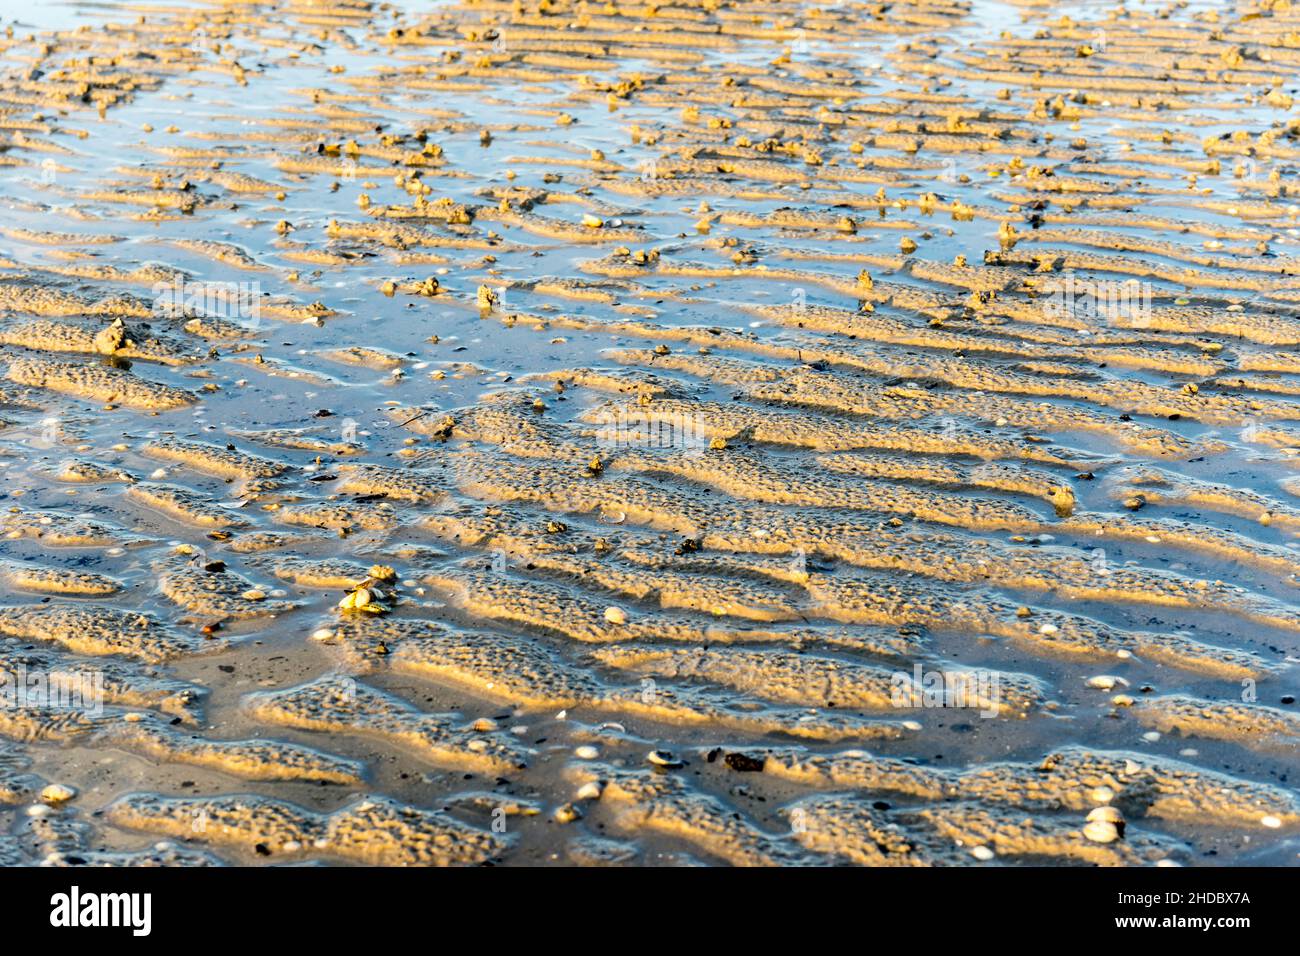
<point>662,758</point>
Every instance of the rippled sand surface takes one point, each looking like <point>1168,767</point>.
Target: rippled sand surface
<point>726,432</point>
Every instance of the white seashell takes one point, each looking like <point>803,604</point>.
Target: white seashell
<point>1102,795</point>
<point>356,599</point>
<point>615,615</point>
<point>1101,831</point>
<point>1151,736</point>
<point>982,853</point>
<point>1105,815</point>
<point>586,752</point>
<point>322,634</point>
<point>1271,821</point>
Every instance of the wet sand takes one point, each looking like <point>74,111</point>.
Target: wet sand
<point>727,433</point>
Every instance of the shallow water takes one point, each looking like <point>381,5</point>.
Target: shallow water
<point>703,381</point>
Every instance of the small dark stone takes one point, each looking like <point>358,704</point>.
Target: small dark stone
<point>743,763</point>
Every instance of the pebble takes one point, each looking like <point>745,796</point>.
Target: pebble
<point>589,791</point>
<point>57,793</point>
<point>1106,682</point>
<point>1103,794</point>
<point>322,634</point>
<point>615,615</point>
<point>586,752</point>
<point>1151,736</point>
<point>982,853</point>
<point>568,813</point>
<point>1271,821</point>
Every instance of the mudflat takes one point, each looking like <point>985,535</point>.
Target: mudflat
<point>728,432</point>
